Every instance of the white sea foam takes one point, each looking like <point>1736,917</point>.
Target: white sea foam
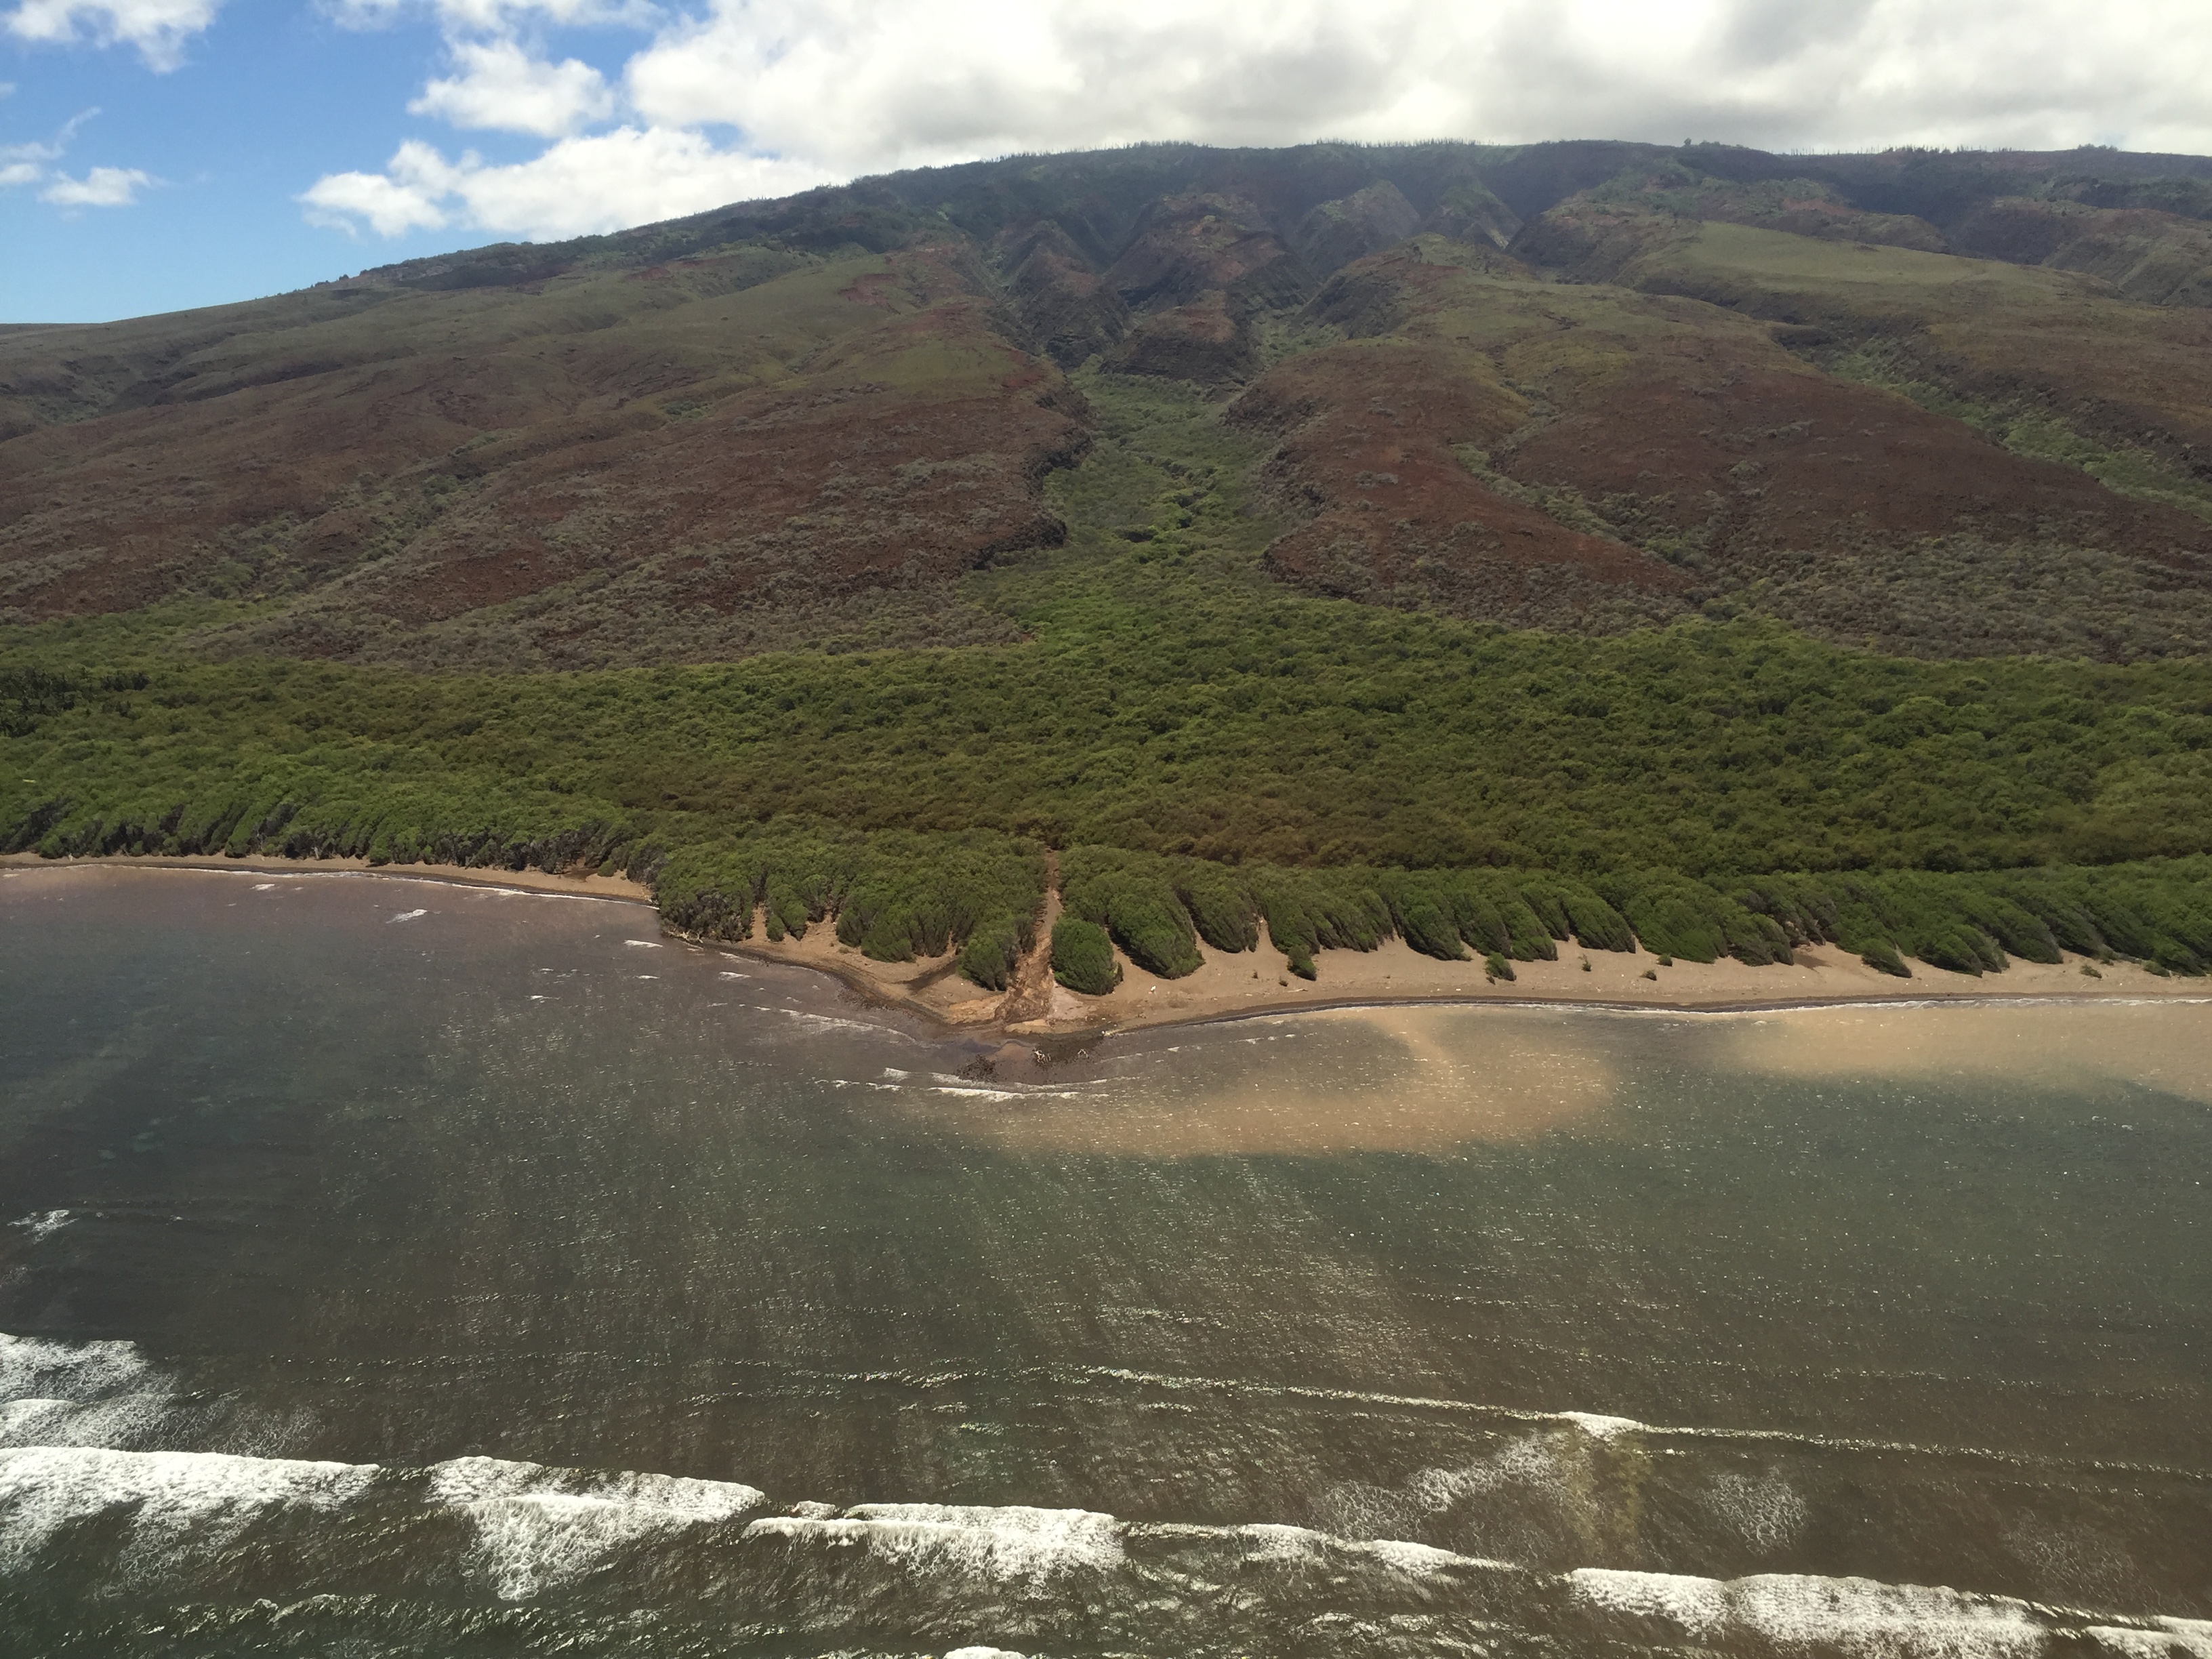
<point>536,1528</point>
<point>1007,1544</point>
<point>1417,1560</point>
<point>410,915</point>
<point>165,1503</point>
<point>115,1422</point>
<point>42,1225</point>
<point>948,1083</point>
<point>642,944</point>
<point>89,1394</point>
<point>1480,1411</point>
<point>1271,1541</point>
<point>33,1367</point>
<point>1602,1428</point>
<point>2171,1640</point>
<point>983,1653</point>
<point>1544,1462</point>
<point>823,1022</point>
<point>1763,1510</point>
<point>1798,1614</point>
<point>1858,1615</point>
<point>1691,1609</point>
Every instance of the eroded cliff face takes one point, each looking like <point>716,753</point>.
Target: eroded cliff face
<point>1577,386</point>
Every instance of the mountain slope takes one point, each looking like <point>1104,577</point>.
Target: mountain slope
<point>1710,541</point>
<point>804,421</point>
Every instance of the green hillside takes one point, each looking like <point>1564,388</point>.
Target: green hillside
<point>1713,584</point>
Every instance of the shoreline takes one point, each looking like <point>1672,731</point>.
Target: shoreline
<point>618,890</point>
<point>1233,987</point>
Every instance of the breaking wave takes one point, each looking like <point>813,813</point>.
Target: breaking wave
<point>42,1225</point>
<point>85,1524</point>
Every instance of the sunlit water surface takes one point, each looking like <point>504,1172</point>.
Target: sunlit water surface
<point>397,1266</point>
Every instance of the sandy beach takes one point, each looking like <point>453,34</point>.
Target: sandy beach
<point>1229,985</point>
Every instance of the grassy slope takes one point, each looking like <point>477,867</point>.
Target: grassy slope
<point>2005,339</point>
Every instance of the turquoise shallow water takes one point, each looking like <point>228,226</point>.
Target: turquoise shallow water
<point>439,1269</point>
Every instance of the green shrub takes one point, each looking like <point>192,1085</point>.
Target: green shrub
<point>1290,930</point>
<point>1479,922</point>
<point>1960,948</point>
<point>1546,905</point>
<point>1597,926</point>
<point>1310,910</point>
<point>1883,957</point>
<point>1360,774</point>
<point>994,949</point>
<point>894,897</point>
<point>1221,906</point>
<point>1083,957</point>
<point>786,907</point>
<point>1674,915</point>
<point>1421,907</point>
<point>1130,896</point>
<point>1528,940</point>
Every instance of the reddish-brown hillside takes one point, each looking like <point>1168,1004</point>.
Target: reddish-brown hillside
<point>1507,447</point>
<point>1699,378</point>
<point>1370,459</point>
<point>652,450</point>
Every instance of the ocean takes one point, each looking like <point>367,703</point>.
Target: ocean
<point>395,1266</point>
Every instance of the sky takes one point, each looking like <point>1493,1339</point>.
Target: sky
<point>159,154</point>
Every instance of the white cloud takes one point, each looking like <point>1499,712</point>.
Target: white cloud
<point>101,187</point>
<point>32,164</point>
<point>501,86</point>
<point>158,28</point>
<point>15,157</point>
<point>579,185</point>
<point>403,198</point>
<point>865,84</point>
<point>813,89</point>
